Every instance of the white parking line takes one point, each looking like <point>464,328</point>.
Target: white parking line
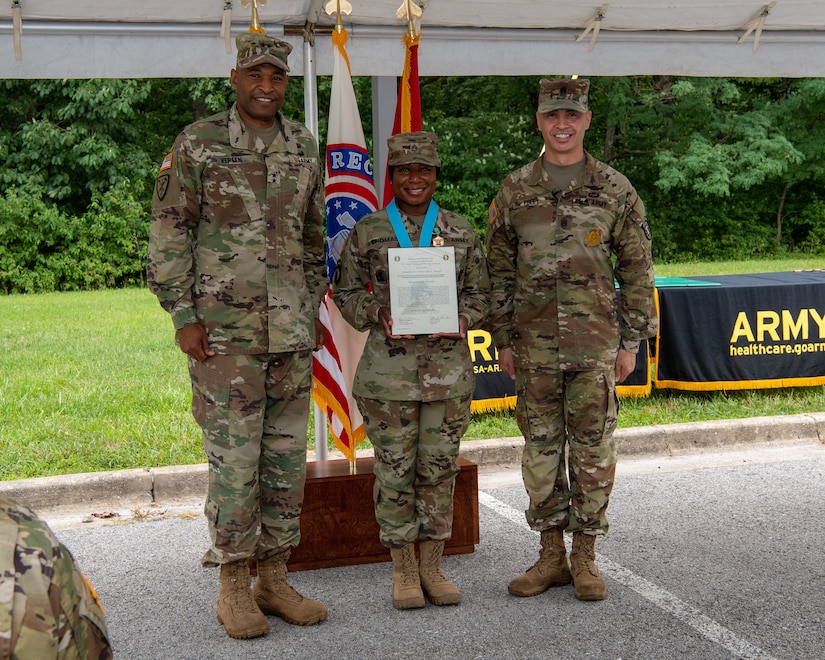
<point>662,599</point>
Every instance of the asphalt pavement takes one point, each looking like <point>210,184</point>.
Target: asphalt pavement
<point>715,551</point>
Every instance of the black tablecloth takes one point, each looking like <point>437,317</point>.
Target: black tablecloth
<point>742,332</point>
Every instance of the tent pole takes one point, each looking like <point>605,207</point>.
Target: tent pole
<point>311,121</point>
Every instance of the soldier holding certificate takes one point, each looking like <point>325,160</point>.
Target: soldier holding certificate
<point>413,390</point>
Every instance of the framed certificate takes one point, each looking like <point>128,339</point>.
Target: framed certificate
<point>423,296</point>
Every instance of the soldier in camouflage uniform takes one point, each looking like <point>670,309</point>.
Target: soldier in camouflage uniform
<point>556,227</point>
<point>47,607</point>
<point>236,256</point>
<point>414,391</point>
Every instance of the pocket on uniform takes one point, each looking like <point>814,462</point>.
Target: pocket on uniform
<point>210,392</point>
<point>229,191</point>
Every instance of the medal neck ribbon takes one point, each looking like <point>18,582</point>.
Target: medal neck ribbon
<point>401,231</point>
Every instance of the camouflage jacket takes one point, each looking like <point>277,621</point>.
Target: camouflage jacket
<point>419,369</point>
<point>47,609</point>
<point>549,255</point>
<point>237,235</point>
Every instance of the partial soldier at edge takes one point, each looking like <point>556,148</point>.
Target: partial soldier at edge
<point>47,607</point>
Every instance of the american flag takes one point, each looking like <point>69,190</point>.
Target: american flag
<point>350,195</point>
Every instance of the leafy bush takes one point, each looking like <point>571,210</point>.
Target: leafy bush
<point>43,249</point>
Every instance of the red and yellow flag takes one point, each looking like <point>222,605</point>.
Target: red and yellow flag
<point>408,106</point>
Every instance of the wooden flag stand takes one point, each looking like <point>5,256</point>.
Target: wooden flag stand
<point>338,526</point>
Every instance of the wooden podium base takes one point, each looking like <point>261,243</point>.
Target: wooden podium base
<point>338,526</point>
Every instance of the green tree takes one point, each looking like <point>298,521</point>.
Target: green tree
<point>486,128</point>
<point>69,140</point>
<point>728,168</point>
<point>719,162</point>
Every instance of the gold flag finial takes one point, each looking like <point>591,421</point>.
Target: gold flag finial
<point>410,12</point>
<point>338,7</point>
<point>255,25</point>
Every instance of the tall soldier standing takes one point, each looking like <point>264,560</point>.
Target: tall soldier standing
<point>236,256</point>
<point>562,229</point>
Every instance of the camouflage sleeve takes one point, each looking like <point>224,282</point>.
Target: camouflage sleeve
<point>175,211</point>
<point>352,290</point>
<point>501,263</point>
<point>634,273</point>
<point>474,296</point>
<point>50,604</point>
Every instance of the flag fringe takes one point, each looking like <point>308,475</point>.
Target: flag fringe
<point>406,79</point>
<point>633,391</point>
<point>327,401</point>
<point>339,40</point>
<point>493,405</point>
<point>715,385</point>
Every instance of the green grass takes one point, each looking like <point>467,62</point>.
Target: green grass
<point>92,381</point>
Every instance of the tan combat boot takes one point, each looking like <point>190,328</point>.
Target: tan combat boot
<point>587,583</point>
<point>275,596</point>
<point>237,611</point>
<point>406,585</point>
<point>549,571</point>
<point>433,581</point>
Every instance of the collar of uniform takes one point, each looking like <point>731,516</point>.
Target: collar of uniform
<point>589,176</point>
<point>537,176</point>
<point>242,139</point>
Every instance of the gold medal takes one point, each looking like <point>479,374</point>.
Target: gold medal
<point>438,241</point>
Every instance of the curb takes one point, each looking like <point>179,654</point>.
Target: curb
<point>138,488</point>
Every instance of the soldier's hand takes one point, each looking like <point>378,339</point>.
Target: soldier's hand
<point>505,361</point>
<point>320,335</point>
<point>193,341</point>
<point>625,364</point>
<point>386,321</point>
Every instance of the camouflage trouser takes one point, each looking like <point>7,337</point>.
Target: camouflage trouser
<point>253,410</point>
<point>573,414</point>
<point>416,446</point>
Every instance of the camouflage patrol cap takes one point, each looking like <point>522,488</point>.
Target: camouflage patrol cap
<point>419,147</point>
<point>254,48</point>
<point>563,93</point>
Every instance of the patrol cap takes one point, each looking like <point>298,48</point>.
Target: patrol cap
<point>563,93</point>
<point>418,147</point>
<point>254,48</point>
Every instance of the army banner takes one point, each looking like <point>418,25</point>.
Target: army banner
<point>736,332</point>
<point>495,390</point>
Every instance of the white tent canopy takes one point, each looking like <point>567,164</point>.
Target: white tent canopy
<point>184,38</point>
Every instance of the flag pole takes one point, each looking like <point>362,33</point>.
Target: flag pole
<point>350,194</point>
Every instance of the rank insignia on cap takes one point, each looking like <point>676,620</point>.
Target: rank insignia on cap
<point>416,147</point>
<point>562,93</point>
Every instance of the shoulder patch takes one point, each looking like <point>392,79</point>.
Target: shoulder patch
<point>646,228</point>
<point>167,162</point>
<point>492,212</point>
